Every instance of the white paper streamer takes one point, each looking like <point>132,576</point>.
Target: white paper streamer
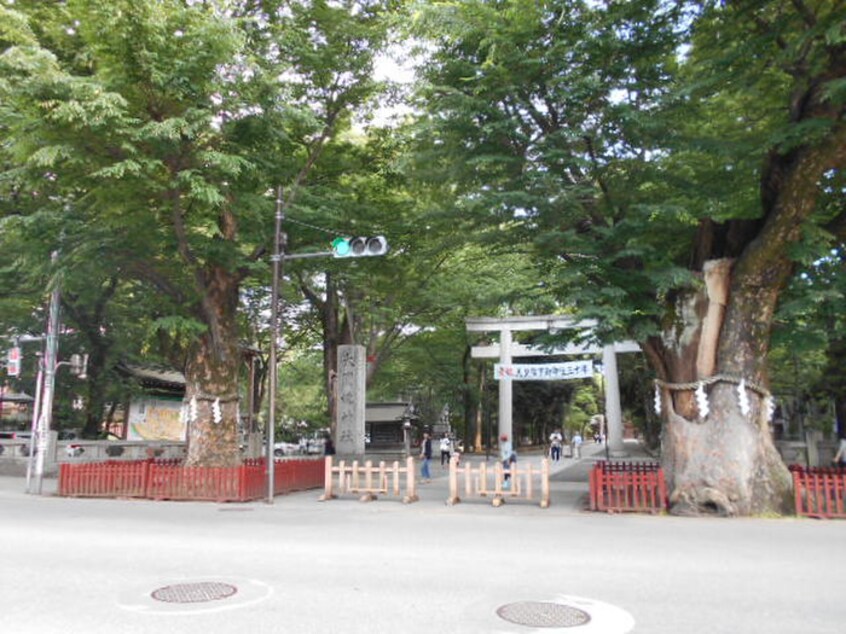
<point>743,398</point>
<point>217,415</point>
<point>769,406</point>
<point>192,410</point>
<point>702,401</point>
<point>657,400</point>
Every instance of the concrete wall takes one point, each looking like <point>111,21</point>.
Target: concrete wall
<point>14,453</point>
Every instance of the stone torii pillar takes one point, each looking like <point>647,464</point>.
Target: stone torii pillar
<point>506,398</point>
<point>613,411</point>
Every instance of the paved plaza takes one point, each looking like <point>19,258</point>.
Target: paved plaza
<point>88,566</point>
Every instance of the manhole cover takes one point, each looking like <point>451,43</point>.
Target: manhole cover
<point>543,614</point>
<point>194,592</point>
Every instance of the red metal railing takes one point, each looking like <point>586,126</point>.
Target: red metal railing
<point>104,479</point>
<point>297,475</point>
<point>170,480</point>
<point>819,491</point>
<point>628,486</point>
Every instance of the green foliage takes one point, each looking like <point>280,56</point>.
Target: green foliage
<point>592,134</point>
<point>566,155</point>
<point>302,397</point>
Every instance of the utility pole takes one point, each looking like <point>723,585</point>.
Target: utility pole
<point>36,416</point>
<point>279,242</point>
<point>51,352</point>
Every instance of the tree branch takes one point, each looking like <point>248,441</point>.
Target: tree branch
<point>146,272</point>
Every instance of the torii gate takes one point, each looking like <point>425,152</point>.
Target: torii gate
<point>506,350</point>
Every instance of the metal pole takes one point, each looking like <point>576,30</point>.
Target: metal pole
<point>276,259</point>
<point>36,413</point>
<point>50,363</point>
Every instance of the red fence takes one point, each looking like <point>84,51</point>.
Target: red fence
<point>628,486</point>
<point>819,491</point>
<point>170,480</point>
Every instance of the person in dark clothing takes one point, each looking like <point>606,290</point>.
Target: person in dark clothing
<point>426,457</point>
<point>329,447</point>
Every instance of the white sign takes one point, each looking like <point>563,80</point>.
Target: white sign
<point>544,371</point>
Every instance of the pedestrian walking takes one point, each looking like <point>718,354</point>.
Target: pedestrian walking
<point>577,445</point>
<point>426,457</point>
<point>508,457</point>
<point>329,447</point>
<point>555,440</point>
<point>446,450</point>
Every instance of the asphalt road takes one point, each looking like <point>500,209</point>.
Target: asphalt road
<point>71,566</point>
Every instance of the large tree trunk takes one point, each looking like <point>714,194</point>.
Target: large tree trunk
<point>211,377</point>
<point>724,462</point>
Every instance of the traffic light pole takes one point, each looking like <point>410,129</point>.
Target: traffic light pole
<point>353,247</point>
<point>51,352</point>
<point>36,416</point>
<point>279,240</point>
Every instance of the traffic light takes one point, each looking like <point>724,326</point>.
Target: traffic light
<point>359,247</point>
<point>13,362</point>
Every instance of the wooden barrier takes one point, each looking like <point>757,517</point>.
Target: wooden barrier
<point>498,483</point>
<point>171,480</point>
<point>368,481</point>
<point>627,487</point>
<point>819,492</point>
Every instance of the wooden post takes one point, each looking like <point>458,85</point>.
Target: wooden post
<point>544,501</point>
<point>368,475</point>
<point>453,482</point>
<point>383,478</point>
<point>355,486</point>
<point>396,478</point>
<point>411,485</point>
<point>343,483</point>
<point>369,495</point>
<point>499,476</point>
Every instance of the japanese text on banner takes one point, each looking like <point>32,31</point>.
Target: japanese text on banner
<point>544,371</point>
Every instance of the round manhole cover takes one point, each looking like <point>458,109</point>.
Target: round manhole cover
<point>543,614</point>
<point>194,592</point>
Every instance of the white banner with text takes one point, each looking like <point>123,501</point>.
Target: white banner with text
<point>544,371</point>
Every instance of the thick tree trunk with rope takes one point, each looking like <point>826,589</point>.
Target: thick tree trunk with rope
<point>717,450</point>
<point>211,376</point>
<point>724,461</point>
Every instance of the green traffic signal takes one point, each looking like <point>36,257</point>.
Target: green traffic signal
<point>359,247</point>
<point>341,247</point>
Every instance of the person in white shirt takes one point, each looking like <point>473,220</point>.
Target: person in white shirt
<point>577,445</point>
<point>555,440</point>
<point>446,449</point>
